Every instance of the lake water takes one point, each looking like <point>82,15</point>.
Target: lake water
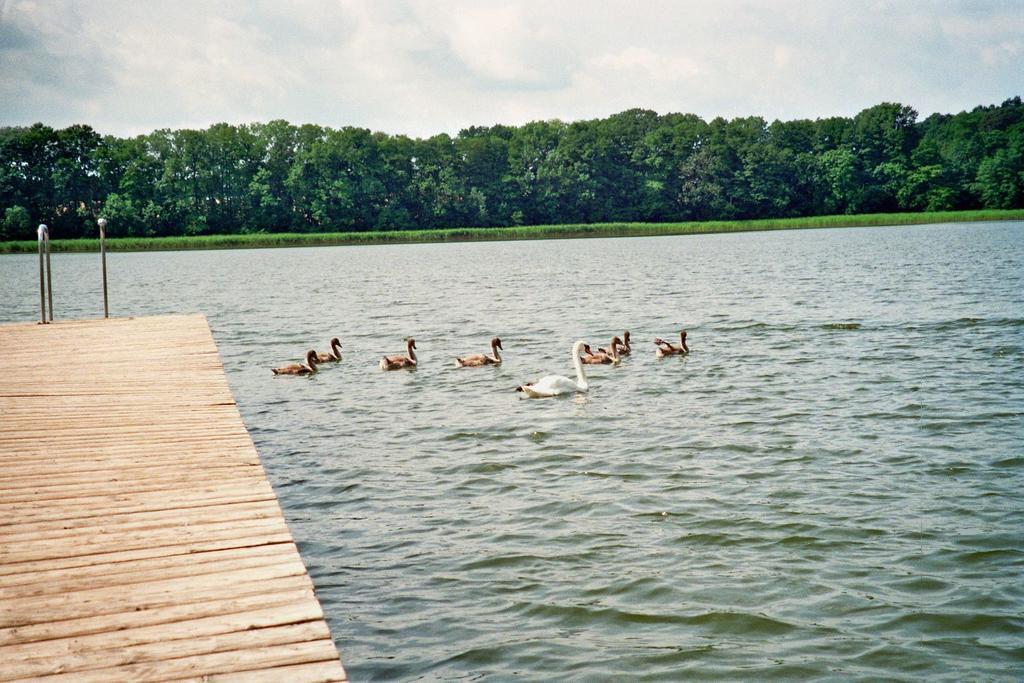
<point>829,485</point>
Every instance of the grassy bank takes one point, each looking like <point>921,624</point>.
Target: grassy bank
<point>262,240</point>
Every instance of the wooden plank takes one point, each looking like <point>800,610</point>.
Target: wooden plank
<point>42,492</point>
<point>161,615</point>
<point>193,547</point>
<point>100,543</point>
<point>85,659</point>
<point>318,672</point>
<point>139,537</point>
<point>94,464</point>
<point>275,615</point>
<point>103,504</point>
<point>128,596</point>
<point>204,665</point>
<point>45,581</point>
<point>128,476</point>
<point>31,451</point>
<point>124,521</point>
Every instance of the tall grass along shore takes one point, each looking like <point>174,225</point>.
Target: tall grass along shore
<point>289,239</point>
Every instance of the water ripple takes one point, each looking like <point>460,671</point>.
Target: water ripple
<point>828,486</point>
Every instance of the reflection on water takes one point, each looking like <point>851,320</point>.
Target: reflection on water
<point>829,485</point>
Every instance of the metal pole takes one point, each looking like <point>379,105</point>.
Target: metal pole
<point>103,258</point>
<point>42,282</point>
<point>49,274</point>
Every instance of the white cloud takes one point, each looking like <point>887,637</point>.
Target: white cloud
<point>499,42</point>
<point>782,56</point>
<point>1006,52</point>
<point>645,63</point>
<point>427,66</point>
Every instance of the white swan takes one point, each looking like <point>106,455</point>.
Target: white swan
<point>553,385</point>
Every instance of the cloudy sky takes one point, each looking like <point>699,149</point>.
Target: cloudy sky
<point>422,67</point>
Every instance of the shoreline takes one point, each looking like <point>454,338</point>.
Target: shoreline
<point>535,232</point>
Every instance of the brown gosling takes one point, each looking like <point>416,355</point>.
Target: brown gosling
<point>603,357</point>
<point>480,359</point>
<point>332,356</point>
<point>666,349</point>
<point>399,362</point>
<point>307,368</point>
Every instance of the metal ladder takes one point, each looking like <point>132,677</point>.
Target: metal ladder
<point>46,275</point>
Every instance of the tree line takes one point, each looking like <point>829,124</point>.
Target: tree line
<point>633,166</point>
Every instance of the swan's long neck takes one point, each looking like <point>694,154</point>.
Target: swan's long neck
<point>336,347</point>
<point>410,352</point>
<point>581,379</point>
<point>311,362</point>
<point>494,352</point>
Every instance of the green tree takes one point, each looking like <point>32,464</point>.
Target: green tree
<point>74,179</point>
<point>123,215</point>
<point>634,165</point>
<point>1000,180</point>
<point>768,181</point>
<point>17,224</point>
<point>529,184</point>
<point>844,180</point>
<point>664,152</point>
<point>484,163</point>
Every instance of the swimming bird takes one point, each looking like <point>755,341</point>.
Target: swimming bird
<point>666,349</point>
<point>623,349</point>
<point>553,385</point>
<point>481,359</point>
<point>602,357</point>
<point>589,357</point>
<point>308,368</point>
<point>332,356</point>
<point>399,362</point>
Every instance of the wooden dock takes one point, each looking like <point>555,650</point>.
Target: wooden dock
<point>139,536</point>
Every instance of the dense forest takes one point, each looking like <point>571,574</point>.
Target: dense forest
<point>633,166</point>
